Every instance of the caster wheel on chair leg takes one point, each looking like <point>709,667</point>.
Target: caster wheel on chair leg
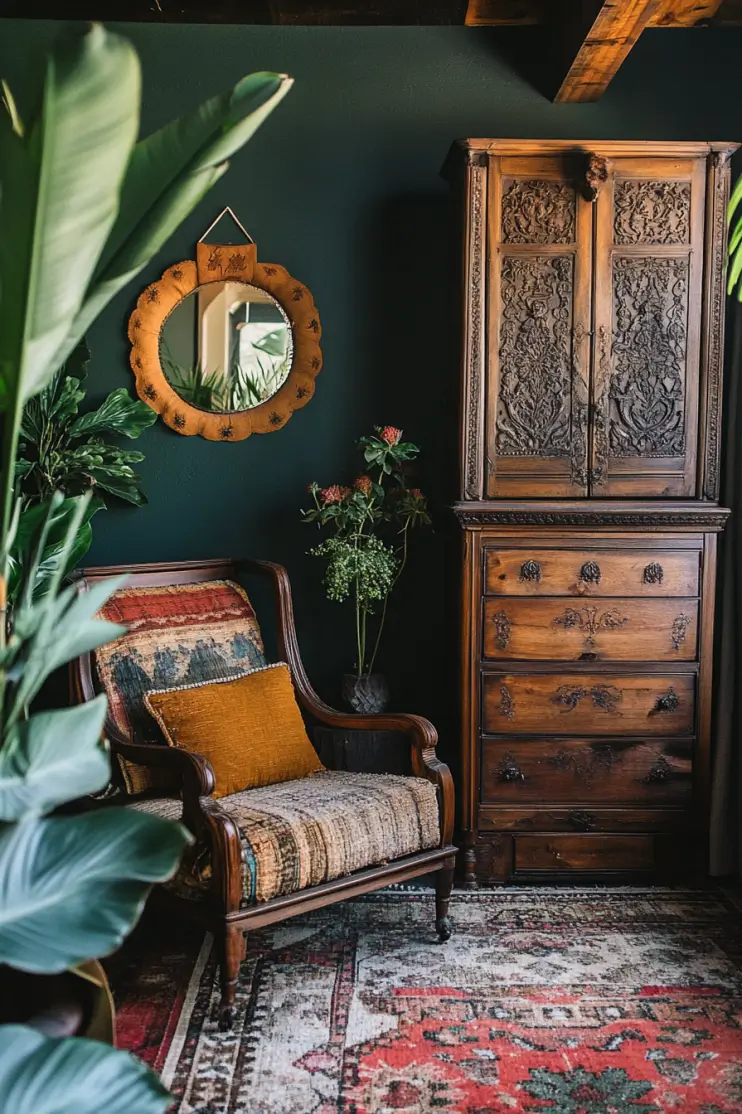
<point>444,928</point>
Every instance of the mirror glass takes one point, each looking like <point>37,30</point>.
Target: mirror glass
<point>226,347</point>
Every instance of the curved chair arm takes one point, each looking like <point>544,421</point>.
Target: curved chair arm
<point>421,732</point>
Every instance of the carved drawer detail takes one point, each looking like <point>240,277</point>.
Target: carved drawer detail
<point>583,771</point>
<point>573,572</point>
<point>555,629</point>
<point>588,703</point>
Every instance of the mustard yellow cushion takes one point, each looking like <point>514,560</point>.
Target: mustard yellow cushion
<point>248,727</point>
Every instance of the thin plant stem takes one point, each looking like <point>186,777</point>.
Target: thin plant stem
<point>382,620</point>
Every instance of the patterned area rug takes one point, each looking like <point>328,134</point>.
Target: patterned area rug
<point>590,1001</point>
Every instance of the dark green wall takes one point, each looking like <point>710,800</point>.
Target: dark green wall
<point>341,186</point>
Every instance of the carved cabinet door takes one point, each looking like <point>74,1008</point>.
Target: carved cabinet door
<point>648,310</point>
<point>540,247</point>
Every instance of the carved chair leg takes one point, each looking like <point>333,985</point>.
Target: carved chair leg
<point>443,887</point>
<point>232,944</point>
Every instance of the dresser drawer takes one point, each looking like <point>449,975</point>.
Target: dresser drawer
<point>588,704</point>
<point>591,772</point>
<point>554,629</point>
<point>586,572</point>
<point>583,852</point>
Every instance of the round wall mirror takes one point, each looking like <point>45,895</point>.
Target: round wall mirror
<point>223,346</point>
<point>226,347</point>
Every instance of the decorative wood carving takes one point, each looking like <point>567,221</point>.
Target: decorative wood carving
<point>585,762</point>
<point>580,409</point>
<point>475,333</point>
<point>653,573</point>
<point>603,696</point>
<point>647,383</point>
<point>538,212</point>
<point>680,630</point>
<point>502,630</point>
<point>591,621</point>
<point>668,702</point>
<point>700,518</point>
<point>598,471</point>
<point>508,770</point>
<point>595,175</point>
<point>533,417</point>
<point>714,333</point>
<point>651,212</point>
<point>507,704</point>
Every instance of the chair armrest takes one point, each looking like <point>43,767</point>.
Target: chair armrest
<point>421,732</point>
<point>192,774</point>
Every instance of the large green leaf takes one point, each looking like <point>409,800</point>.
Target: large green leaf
<point>54,631</point>
<point>73,887</point>
<point>52,758</point>
<point>170,171</point>
<point>60,198</point>
<point>51,1075</point>
<point>119,414</point>
<point>29,524</point>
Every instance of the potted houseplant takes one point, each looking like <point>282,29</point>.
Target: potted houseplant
<point>366,551</point>
<point>84,207</point>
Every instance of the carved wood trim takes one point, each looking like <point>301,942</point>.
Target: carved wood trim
<point>474,326</point>
<point>713,327</point>
<point>703,517</point>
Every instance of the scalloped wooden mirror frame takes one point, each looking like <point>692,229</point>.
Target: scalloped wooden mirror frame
<point>214,263</point>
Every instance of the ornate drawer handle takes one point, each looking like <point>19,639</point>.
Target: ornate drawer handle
<point>660,771</point>
<point>589,621</point>
<point>590,572</point>
<point>679,630</point>
<point>530,570</point>
<point>508,770</point>
<point>582,821</point>
<point>653,573</point>
<point>668,702</point>
<point>605,697</point>
<point>507,704</point>
<point>502,630</point>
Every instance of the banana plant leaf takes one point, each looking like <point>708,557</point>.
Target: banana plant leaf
<point>52,1075</point>
<point>73,887</point>
<point>60,200</point>
<point>52,758</point>
<point>119,414</point>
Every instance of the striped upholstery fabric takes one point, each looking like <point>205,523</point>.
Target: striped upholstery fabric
<point>300,833</point>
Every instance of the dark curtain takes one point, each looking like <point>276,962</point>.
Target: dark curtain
<point>726,792</point>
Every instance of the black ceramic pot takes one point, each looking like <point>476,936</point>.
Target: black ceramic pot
<point>367,694</point>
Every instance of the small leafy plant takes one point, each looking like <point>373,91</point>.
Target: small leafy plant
<point>63,450</point>
<point>360,563</point>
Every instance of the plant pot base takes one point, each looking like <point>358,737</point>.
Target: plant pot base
<point>367,695</point>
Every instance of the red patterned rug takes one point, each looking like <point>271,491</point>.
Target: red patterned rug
<point>590,1001</point>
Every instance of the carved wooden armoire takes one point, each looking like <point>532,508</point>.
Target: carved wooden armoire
<point>593,317</point>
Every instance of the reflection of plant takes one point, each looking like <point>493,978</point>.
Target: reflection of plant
<point>84,209</point>
<point>359,563</point>
<point>62,450</point>
<point>213,390</point>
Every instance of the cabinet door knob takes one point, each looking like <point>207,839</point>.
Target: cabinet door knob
<point>653,573</point>
<point>590,573</point>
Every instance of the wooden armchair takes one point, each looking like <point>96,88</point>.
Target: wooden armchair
<point>185,782</point>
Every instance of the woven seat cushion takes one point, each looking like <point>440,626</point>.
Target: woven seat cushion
<point>176,635</point>
<point>300,833</point>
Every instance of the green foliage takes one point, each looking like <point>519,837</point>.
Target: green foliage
<point>214,391</point>
<point>359,563</point>
<point>51,1075</point>
<point>83,209</point>
<point>734,277</point>
<point>62,450</point>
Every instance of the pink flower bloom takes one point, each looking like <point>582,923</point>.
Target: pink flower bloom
<point>363,484</point>
<point>333,494</point>
<point>391,435</point>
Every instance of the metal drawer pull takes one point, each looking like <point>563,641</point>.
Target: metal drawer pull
<point>604,697</point>
<point>508,770</point>
<point>679,630</point>
<point>590,572</point>
<point>530,570</point>
<point>668,702</point>
<point>653,574</point>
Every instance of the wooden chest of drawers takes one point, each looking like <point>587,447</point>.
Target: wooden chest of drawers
<point>587,669</point>
<point>591,387</point>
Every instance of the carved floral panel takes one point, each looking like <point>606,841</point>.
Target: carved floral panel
<point>651,212</point>
<point>533,411</point>
<point>538,212</point>
<point>647,385</point>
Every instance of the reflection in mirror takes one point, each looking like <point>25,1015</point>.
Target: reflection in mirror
<point>226,347</point>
